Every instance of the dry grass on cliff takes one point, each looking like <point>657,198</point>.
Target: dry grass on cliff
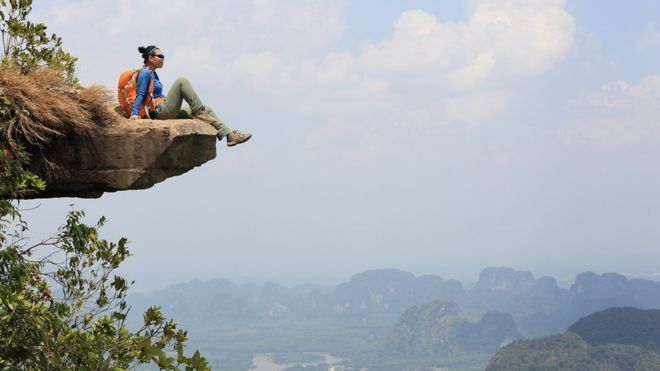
<point>39,107</point>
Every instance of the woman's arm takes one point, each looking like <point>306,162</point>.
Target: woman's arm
<point>143,80</point>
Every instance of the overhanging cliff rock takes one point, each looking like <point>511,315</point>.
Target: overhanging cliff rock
<point>81,145</point>
<point>123,156</point>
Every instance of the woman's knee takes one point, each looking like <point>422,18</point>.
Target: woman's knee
<point>181,81</point>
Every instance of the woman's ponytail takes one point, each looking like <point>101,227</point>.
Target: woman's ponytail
<point>146,51</point>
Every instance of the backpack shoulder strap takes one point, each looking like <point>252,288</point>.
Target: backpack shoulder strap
<point>150,90</point>
<point>151,84</point>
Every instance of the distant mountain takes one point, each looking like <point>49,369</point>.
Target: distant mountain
<point>639,293</point>
<point>388,291</point>
<point>621,326</point>
<point>538,306</point>
<point>541,308</point>
<point>427,329</point>
<point>568,352</point>
<point>276,302</point>
<point>493,331</point>
<point>516,292</point>
<point>592,293</point>
<point>590,285</point>
<point>197,302</point>
<point>437,328</point>
<point>504,279</point>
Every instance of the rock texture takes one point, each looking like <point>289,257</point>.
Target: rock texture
<point>126,155</point>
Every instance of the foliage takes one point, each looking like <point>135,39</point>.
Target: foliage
<point>569,352</point>
<point>357,344</point>
<point>61,305</point>
<point>435,328</point>
<point>39,107</point>
<point>14,182</point>
<point>47,102</point>
<point>624,357</point>
<point>426,329</point>
<point>557,352</point>
<point>27,46</point>
<point>621,326</point>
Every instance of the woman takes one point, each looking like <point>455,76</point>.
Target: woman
<point>170,106</point>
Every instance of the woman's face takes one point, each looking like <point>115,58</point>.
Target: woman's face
<point>157,58</point>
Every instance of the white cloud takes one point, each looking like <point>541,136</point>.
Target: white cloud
<point>650,39</point>
<point>464,72</point>
<point>473,73</point>
<point>426,72</point>
<point>251,26</point>
<point>529,37</point>
<point>334,70</point>
<point>619,114</point>
<point>477,108</point>
<point>519,38</point>
<point>454,64</point>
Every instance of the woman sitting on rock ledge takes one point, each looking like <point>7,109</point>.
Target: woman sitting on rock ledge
<point>170,108</point>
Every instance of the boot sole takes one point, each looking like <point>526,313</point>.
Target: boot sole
<point>231,144</point>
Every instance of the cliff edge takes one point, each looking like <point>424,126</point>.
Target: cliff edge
<point>122,156</point>
<point>81,145</point>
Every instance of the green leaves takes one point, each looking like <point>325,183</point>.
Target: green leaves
<point>153,316</point>
<point>27,45</point>
<point>84,325</point>
<point>14,179</point>
<point>61,305</point>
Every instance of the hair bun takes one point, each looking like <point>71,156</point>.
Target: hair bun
<point>142,49</point>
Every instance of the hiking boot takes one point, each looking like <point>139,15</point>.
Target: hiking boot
<point>206,115</point>
<point>236,137</point>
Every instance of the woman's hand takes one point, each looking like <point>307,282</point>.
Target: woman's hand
<point>134,117</point>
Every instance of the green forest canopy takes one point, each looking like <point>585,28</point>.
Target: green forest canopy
<point>62,305</point>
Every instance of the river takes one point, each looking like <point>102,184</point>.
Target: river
<point>264,362</point>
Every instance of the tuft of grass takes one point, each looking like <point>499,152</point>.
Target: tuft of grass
<point>96,100</point>
<point>39,107</point>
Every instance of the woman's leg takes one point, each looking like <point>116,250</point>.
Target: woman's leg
<point>184,114</point>
<point>182,90</point>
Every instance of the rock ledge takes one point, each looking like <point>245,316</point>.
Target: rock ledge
<point>126,155</point>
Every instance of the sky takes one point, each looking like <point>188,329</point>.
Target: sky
<point>437,137</point>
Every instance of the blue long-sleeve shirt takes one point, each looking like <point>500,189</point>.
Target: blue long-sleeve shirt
<point>144,77</point>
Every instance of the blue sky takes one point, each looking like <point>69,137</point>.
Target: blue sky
<point>435,137</point>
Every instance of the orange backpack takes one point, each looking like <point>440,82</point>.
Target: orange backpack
<point>127,92</point>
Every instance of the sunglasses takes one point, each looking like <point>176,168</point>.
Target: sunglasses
<point>161,56</point>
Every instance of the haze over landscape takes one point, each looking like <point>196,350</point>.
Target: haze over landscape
<point>434,137</point>
<point>431,185</point>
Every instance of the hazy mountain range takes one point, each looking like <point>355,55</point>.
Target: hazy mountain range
<point>537,305</point>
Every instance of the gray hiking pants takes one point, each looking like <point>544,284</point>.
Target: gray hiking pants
<point>171,108</point>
